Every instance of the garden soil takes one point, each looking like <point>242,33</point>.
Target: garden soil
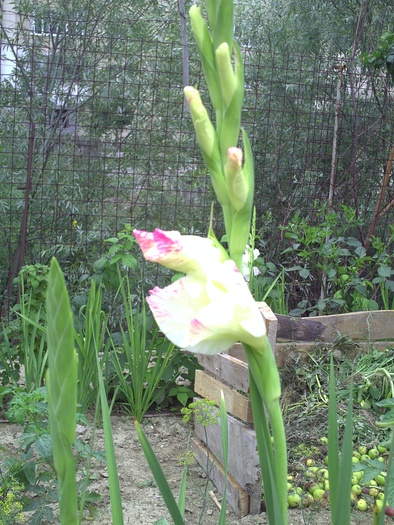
<point>142,502</point>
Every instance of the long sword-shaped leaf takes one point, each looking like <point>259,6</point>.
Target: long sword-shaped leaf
<point>182,488</point>
<point>61,383</point>
<point>345,468</point>
<point>339,466</point>
<point>113,479</point>
<point>224,432</point>
<point>333,445</point>
<point>159,477</point>
<point>267,462</point>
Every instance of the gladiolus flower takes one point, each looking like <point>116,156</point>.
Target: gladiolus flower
<point>209,309</point>
<point>183,253</point>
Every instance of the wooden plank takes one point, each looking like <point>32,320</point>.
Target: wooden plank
<point>236,404</point>
<point>231,370</point>
<point>237,497</point>
<point>359,326</point>
<point>243,458</point>
<point>271,322</point>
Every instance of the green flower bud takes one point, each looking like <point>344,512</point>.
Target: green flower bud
<point>208,141</point>
<point>228,80</point>
<point>237,185</point>
<point>205,131</point>
<point>205,49</point>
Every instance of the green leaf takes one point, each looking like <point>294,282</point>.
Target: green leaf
<point>385,271</point>
<point>371,468</point>
<point>44,446</point>
<point>113,479</point>
<point>100,263</point>
<point>159,477</point>
<point>129,261</point>
<point>61,383</point>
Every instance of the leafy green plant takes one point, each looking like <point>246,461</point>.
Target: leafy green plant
<point>9,363</point>
<point>266,281</point>
<point>205,412</point>
<point>176,385</point>
<point>90,330</point>
<point>330,270</point>
<point>143,359</point>
<point>32,464</point>
<point>11,497</point>
<point>383,54</point>
<point>34,356</point>
<point>32,283</point>
<point>106,268</point>
<point>24,339</point>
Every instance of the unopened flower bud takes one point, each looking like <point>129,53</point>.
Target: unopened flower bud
<point>205,131</point>
<point>237,184</point>
<point>228,80</point>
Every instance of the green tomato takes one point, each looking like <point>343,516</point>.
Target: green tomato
<point>294,500</point>
<point>323,473</point>
<point>358,475</point>
<point>318,494</point>
<point>380,480</point>
<point>356,489</point>
<point>306,499</point>
<point>362,504</point>
<point>373,453</point>
<point>311,487</point>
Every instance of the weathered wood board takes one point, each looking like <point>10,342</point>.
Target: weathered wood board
<point>232,370</point>
<point>237,497</point>
<point>243,458</point>
<point>236,404</point>
<point>359,326</point>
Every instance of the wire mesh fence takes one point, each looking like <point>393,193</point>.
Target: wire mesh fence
<point>94,134</point>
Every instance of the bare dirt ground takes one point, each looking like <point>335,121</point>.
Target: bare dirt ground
<point>142,502</point>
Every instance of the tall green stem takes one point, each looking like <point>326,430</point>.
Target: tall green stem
<point>265,395</point>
